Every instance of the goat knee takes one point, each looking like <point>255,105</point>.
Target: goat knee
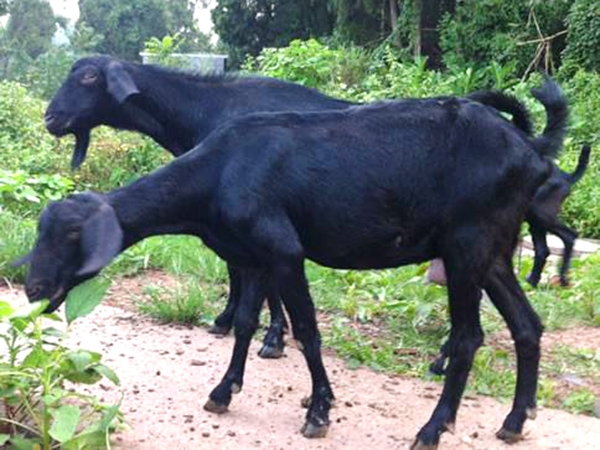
<point>528,343</point>
<point>244,326</point>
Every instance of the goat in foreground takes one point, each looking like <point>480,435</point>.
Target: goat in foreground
<point>369,187</point>
<point>178,110</point>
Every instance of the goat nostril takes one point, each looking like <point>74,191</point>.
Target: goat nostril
<point>34,291</point>
<point>48,119</point>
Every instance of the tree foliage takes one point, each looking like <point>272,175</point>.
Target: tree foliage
<point>525,33</point>
<point>125,26</point>
<point>31,26</point>
<point>247,26</point>
<point>583,41</point>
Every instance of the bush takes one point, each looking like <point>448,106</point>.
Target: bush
<point>312,64</point>
<point>583,40</point>
<point>482,31</point>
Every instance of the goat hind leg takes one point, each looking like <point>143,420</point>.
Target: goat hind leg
<point>540,246</point>
<point>526,330</point>
<point>465,338</point>
<point>568,236</point>
<point>224,321</point>
<point>273,342</point>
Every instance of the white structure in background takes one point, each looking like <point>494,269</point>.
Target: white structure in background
<point>201,62</point>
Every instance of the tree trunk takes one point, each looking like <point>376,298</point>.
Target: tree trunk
<point>427,40</point>
<point>393,14</point>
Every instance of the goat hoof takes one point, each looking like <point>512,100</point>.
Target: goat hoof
<point>270,352</point>
<point>219,330</point>
<point>510,437</point>
<point>437,368</point>
<point>310,430</point>
<point>419,445</point>
<point>214,407</point>
<point>306,401</point>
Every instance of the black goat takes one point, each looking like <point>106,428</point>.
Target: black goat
<point>178,110</point>
<point>542,218</point>
<point>369,187</point>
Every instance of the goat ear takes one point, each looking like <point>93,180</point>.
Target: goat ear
<point>25,259</point>
<point>101,240</point>
<point>120,83</point>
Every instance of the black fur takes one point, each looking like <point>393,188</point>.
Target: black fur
<point>369,187</point>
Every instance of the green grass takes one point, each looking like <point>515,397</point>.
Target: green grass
<point>17,236</point>
<point>190,304</point>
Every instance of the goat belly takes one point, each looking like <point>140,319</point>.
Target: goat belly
<point>383,255</point>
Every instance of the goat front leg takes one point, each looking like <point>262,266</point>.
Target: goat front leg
<point>526,330</point>
<point>293,286</point>
<point>466,336</point>
<point>224,321</point>
<point>254,286</point>
<point>273,342</point>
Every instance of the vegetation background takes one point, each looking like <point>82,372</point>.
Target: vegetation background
<point>361,50</point>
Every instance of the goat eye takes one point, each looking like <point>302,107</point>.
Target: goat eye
<point>89,78</point>
<point>73,235</point>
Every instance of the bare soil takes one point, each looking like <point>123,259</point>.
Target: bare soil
<point>167,372</point>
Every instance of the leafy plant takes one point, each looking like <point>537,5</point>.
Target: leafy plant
<point>162,51</point>
<point>24,190</point>
<point>36,367</point>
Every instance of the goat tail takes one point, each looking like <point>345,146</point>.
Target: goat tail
<point>557,112</point>
<point>584,159</point>
<point>508,104</point>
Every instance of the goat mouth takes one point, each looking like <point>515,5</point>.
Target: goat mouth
<point>57,126</point>
<point>56,300</point>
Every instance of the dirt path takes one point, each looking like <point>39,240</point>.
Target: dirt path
<point>167,372</point>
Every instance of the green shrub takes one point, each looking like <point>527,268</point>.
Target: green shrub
<point>312,64</point>
<point>581,209</point>
<point>583,40</point>
<point>482,31</point>
<point>37,409</point>
<point>25,192</point>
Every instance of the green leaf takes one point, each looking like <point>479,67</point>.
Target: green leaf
<point>81,359</point>
<point>88,376</point>
<point>66,419</point>
<point>4,438</point>
<point>109,416</point>
<point>107,372</point>
<point>38,357</point>
<point>84,298</point>
<point>86,440</point>
<point>5,309</point>
<point>20,443</point>
<point>29,311</point>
